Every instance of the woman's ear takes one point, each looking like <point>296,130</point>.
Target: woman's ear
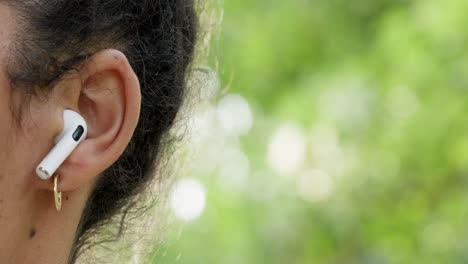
<point>106,93</point>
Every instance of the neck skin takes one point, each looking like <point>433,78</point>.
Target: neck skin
<point>32,231</point>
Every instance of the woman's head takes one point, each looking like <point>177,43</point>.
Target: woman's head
<point>121,64</point>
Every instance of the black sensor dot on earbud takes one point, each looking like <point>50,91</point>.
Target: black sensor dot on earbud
<point>78,133</point>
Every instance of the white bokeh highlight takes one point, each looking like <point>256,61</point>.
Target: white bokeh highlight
<point>347,102</point>
<point>315,185</point>
<point>234,115</point>
<point>326,150</point>
<point>286,149</point>
<point>234,170</point>
<point>187,199</point>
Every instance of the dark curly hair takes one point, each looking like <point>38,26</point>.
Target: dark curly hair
<point>157,36</point>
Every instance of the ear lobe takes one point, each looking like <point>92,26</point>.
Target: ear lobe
<point>108,98</point>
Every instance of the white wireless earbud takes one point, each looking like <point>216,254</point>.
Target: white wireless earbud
<point>74,131</point>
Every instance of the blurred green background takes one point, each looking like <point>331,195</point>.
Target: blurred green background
<point>339,134</point>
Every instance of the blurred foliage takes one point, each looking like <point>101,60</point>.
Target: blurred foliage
<point>376,89</point>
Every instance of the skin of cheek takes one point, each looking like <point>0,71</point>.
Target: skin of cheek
<point>8,165</point>
<point>21,149</point>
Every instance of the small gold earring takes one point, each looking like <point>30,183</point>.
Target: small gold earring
<point>57,194</point>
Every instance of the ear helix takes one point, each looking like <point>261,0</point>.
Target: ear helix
<point>74,131</point>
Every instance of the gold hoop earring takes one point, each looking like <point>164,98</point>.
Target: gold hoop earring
<point>57,194</point>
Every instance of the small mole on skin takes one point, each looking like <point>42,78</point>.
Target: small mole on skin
<point>66,197</point>
<point>32,233</point>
